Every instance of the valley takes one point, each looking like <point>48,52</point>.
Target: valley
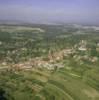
<point>49,62</point>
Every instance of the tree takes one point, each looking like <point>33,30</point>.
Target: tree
<point>2,95</point>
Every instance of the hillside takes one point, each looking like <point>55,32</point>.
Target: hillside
<point>49,62</point>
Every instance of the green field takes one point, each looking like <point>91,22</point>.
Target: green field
<point>44,62</point>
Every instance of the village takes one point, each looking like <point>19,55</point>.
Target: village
<point>54,60</point>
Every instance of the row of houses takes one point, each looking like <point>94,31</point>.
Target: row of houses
<point>38,62</point>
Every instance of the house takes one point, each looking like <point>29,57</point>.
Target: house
<point>82,48</point>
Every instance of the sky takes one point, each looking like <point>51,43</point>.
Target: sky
<point>51,11</point>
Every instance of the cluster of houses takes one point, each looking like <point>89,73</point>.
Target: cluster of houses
<point>53,62</point>
<point>54,59</point>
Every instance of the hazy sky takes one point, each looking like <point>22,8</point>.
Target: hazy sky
<point>43,11</point>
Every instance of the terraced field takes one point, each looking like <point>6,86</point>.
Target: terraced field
<point>63,72</point>
<point>65,86</point>
<point>41,84</point>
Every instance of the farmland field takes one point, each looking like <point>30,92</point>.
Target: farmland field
<point>49,62</point>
